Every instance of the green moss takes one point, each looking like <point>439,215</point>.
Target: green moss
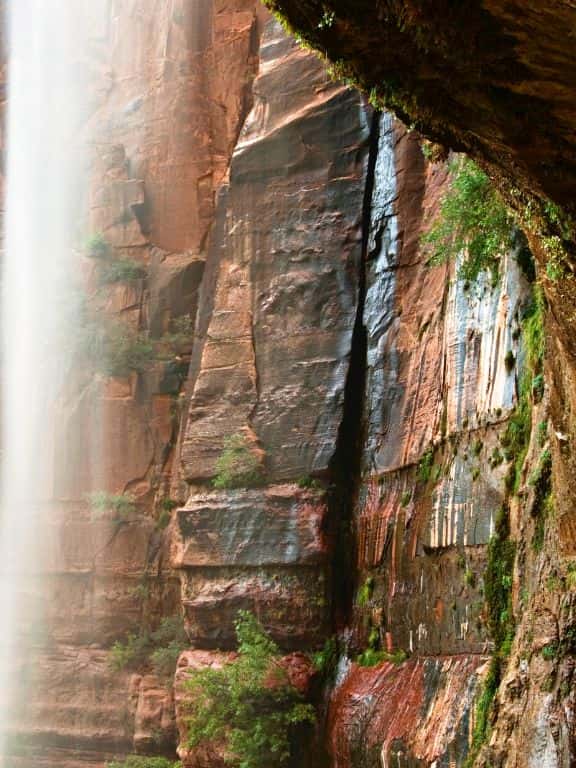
<point>540,476</point>
<point>498,581</point>
<point>426,465</point>
<point>571,576</point>
<point>365,592</point>
<point>549,652</point>
<point>405,498</point>
<point>533,331</point>
<point>496,458</point>
<point>469,578</point>
<point>326,660</point>
<point>483,710</point>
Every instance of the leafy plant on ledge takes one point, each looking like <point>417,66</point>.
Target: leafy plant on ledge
<point>160,648</point>
<point>473,222</point>
<point>138,761</point>
<point>114,349</point>
<point>238,466</point>
<point>121,504</point>
<point>97,247</point>
<point>113,271</point>
<point>248,705</point>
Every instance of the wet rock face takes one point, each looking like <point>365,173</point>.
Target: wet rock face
<point>272,357</point>
<point>519,63</point>
<point>409,716</point>
<point>278,222</point>
<point>285,251</point>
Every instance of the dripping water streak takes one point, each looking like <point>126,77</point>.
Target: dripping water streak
<point>46,39</point>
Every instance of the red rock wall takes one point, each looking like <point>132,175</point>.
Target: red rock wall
<point>171,88</point>
<point>269,205</point>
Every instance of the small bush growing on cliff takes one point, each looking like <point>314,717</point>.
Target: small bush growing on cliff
<point>138,761</point>
<point>159,648</point>
<point>237,466</point>
<point>121,504</point>
<point>114,349</point>
<point>249,705</point>
<point>97,247</point>
<point>473,221</point>
<point>120,271</point>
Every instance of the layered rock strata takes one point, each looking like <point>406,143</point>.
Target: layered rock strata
<point>277,220</point>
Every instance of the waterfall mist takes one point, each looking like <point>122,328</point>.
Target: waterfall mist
<point>45,164</point>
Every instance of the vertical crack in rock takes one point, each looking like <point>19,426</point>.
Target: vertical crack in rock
<point>346,464</point>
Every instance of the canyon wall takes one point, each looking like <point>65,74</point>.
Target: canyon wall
<point>276,218</point>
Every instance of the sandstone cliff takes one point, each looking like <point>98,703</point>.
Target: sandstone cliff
<point>276,217</point>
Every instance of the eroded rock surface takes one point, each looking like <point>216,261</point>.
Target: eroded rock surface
<point>277,219</point>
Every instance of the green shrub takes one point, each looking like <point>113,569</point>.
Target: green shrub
<point>114,349</point>
<point>169,504</point>
<point>97,247</point>
<point>372,657</point>
<point>165,659</point>
<point>180,338</point>
<point>249,704</point>
<point>163,520</point>
<point>138,761</point>
<point>121,504</point>
<point>160,648</point>
<point>132,653</point>
<point>238,466</point>
<point>308,482</point>
<point>125,352</point>
<point>473,220</point>
<point>549,652</point>
<point>113,271</point>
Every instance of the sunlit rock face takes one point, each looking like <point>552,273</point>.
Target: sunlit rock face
<point>277,214</point>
